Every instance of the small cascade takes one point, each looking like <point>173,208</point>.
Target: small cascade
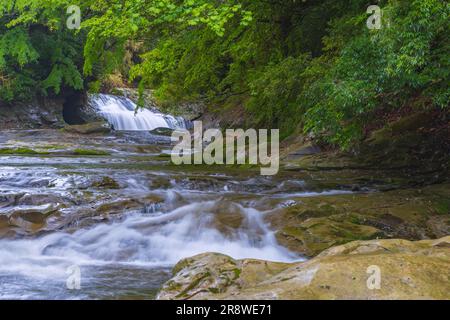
<point>123,114</point>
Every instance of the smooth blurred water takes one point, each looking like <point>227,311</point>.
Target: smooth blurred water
<point>123,114</point>
<point>129,253</point>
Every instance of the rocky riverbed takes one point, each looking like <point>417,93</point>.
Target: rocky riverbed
<point>112,204</point>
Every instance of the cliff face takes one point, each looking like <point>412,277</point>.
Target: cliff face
<point>71,108</point>
<point>37,114</point>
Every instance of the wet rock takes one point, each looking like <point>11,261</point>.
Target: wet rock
<point>408,270</point>
<point>28,221</point>
<point>439,225</point>
<point>119,206</point>
<point>316,234</point>
<point>106,183</point>
<point>38,199</point>
<point>89,128</point>
<point>89,152</point>
<point>9,199</point>
<point>320,222</point>
<point>228,217</point>
<point>160,182</point>
<point>107,211</point>
<point>214,273</point>
<point>39,113</point>
<point>31,219</point>
<point>162,132</point>
<point>4,224</point>
<point>152,198</point>
<point>88,112</point>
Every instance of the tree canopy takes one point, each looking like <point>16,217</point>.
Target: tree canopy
<point>311,65</point>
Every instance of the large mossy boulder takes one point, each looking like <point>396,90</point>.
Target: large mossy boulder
<point>407,270</point>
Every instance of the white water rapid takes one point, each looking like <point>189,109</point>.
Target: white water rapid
<point>122,114</point>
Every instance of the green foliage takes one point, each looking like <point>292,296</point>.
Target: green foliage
<point>275,92</point>
<point>408,57</point>
<point>310,65</point>
<point>114,23</point>
<point>38,55</point>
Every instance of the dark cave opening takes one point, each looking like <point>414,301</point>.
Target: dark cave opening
<point>72,109</point>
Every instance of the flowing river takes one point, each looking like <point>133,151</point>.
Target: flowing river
<point>124,216</point>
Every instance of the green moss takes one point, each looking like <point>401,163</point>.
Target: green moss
<point>194,284</point>
<point>52,147</point>
<point>90,152</point>
<point>107,183</point>
<point>181,265</point>
<point>214,290</point>
<point>355,219</point>
<point>173,286</point>
<point>20,151</point>
<point>442,206</point>
<point>237,273</point>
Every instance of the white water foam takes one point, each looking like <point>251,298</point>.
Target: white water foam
<point>157,239</point>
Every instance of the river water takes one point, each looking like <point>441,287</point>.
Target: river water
<point>126,217</point>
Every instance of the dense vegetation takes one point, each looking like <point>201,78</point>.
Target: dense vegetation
<point>297,65</point>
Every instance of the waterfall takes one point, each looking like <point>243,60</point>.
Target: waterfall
<point>123,114</point>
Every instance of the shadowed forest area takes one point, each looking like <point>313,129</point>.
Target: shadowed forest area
<point>309,66</point>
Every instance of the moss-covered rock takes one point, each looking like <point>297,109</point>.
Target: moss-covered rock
<point>317,223</point>
<point>214,273</point>
<point>408,270</point>
<point>89,128</point>
<point>106,183</point>
<point>316,234</point>
<point>119,206</point>
<point>21,151</point>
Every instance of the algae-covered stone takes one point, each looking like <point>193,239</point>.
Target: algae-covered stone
<point>404,270</point>
<point>32,219</point>
<point>29,221</point>
<point>106,183</point>
<point>119,206</point>
<point>89,128</point>
<point>213,273</point>
<point>317,223</point>
<point>316,234</point>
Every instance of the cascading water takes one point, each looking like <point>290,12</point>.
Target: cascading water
<point>123,114</point>
<point>56,212</point>
<point>143,242</point>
